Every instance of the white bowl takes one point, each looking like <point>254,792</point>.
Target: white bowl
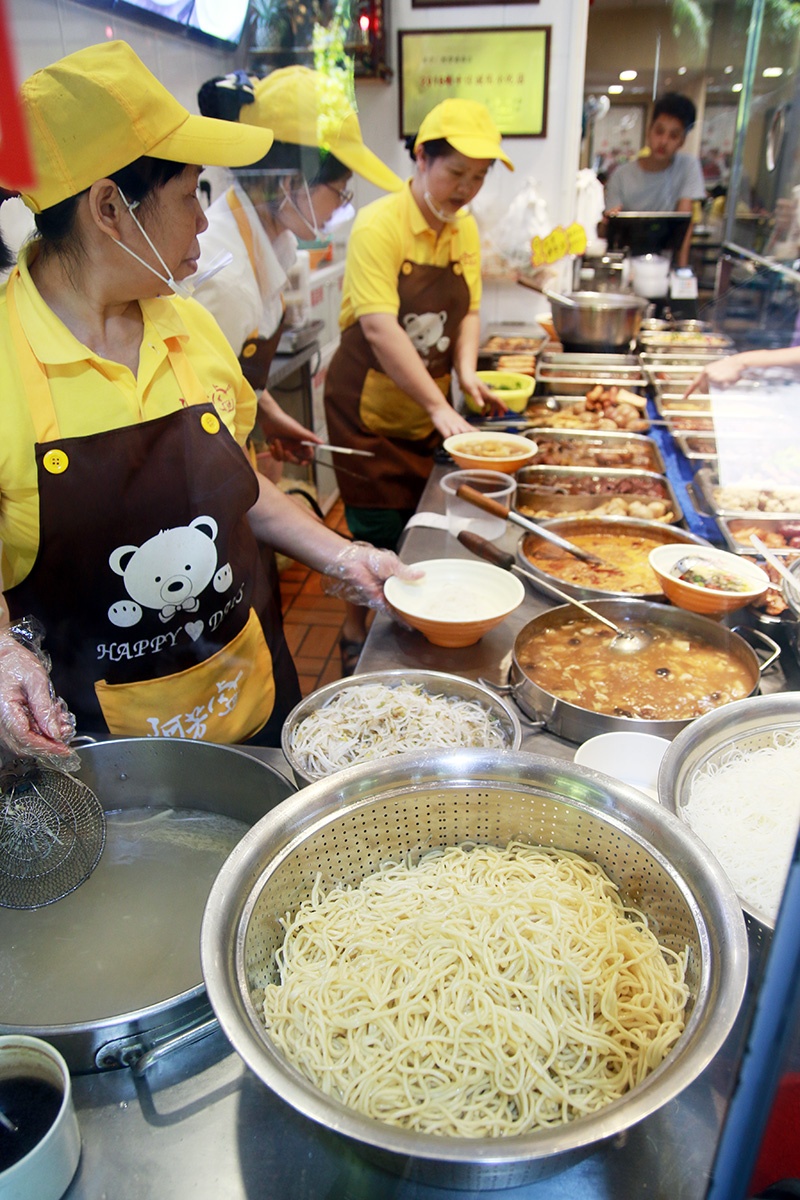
<point>456,601</point>
<point>632,758</point>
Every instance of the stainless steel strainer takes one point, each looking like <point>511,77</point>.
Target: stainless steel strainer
<point>343,827</point>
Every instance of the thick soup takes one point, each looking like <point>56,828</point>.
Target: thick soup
<point>677,676</point>
<point>625,552</point>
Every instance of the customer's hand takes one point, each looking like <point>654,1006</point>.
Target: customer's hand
<point>359,571</point>
<point>722,372</point>
<point>32,720</point>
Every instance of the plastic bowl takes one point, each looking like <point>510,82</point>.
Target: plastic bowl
<point>632,758</point>
<point>478,595</point>
<point>707,600</point>
<point>489,451</point>
<point>514,390</point>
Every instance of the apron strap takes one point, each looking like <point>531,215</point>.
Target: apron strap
<point>37,385</point>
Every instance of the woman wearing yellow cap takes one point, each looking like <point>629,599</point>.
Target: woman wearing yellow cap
<point>128,510</point>
<point>409,319</point>
<point>293,192</point>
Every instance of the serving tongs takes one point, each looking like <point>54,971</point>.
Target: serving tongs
<point>626,641</point>
<point>472,496</point>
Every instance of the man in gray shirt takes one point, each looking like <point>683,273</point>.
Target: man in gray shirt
<point>663,180</point>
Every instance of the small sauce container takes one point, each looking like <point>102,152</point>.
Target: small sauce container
<point>40,1142</point>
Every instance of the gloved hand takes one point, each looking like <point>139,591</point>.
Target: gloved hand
<point>358,572</point>
<point>33,721</point>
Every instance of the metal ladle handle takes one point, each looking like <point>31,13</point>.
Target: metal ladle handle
<point>473,496</point>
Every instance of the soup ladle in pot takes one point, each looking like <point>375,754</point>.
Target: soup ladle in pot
<point>627,641</point>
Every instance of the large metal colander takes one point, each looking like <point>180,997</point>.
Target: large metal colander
<point>344,827</point>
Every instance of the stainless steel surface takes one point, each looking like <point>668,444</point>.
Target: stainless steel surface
<point>544,507</point>
<point>662,533</point>
<point>686,342</point>
<point>641,485</point>
<point>677,360</point>
<point>106,973</point>
<point>575,374</point>
<point>736,529</point>
<point>342,828</point>
<point>748,725</point>
<point>600,320</point>
<point>698,448</point>
<point>201,1124</point>
<point>579,724</point>
<point>706,487</point>
<point>436,683</point>
<point>588,444</point>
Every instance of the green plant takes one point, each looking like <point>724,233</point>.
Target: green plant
<point>287,23</point>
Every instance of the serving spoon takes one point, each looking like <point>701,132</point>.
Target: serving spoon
<point>627,641</point>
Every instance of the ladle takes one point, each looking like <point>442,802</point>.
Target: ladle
<point>472,496</point>
<point>627,641</point>
<point>560,298</point>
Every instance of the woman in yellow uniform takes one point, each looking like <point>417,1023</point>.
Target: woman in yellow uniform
<point>409,319</point>
<point>128,510</point>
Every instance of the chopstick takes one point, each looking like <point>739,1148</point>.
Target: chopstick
<point>338,449</point>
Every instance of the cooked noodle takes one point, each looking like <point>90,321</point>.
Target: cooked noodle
<point>482,992</point>
<point>374,720</point>
<point>746,808</point>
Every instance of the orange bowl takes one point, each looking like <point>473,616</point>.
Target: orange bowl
<point>457,601</point>
<point>697,597</point>
<point>485,450</point>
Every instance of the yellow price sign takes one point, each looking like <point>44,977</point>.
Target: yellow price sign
<point>557,244</point>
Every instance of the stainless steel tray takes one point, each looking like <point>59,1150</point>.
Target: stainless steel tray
<point>552,507</point>
<point>540,416</point>
<point>697,447</point>
<point>535,339</point>
<point>733,529</point>
<point>669,403</point>
<point>545,480</point>
<point>681,341</point>
<point>678,360</point>
<point>706,498</point>
<point>575,374</point>
<point>589,443</point>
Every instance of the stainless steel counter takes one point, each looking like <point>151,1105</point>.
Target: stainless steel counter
<point>200,1125</point>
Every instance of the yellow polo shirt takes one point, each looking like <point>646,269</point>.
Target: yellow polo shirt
<point>391,231</point>
<point>92,395</point>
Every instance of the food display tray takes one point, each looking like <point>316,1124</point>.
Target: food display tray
<point>704,493</point>
<point>669,403</point>
<point>575,374</point>
<point>512,338</point>
<point>545,481</point>
<point>538,415</point>
<point>567,506</point>
<point>697,447</point>
<point>681,340</point>
<point>736,530</point>
<point>602,444</point>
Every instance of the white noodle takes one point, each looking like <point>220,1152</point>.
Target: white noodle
<point>480,993</point>
<point>373,721</point>
<point>746,808</point>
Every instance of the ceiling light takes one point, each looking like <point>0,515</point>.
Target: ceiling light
<point>615,89</point>
<point>681,70</point>
<point>729,70</point>
<point>772,72</point>
<point>627,75</point>
<point>737,87</point>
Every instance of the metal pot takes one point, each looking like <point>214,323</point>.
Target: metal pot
<point>341,829</point>
<point>567,527</point>
<point>597,320</point>
<point>578,724</point>
<point>112,971</point>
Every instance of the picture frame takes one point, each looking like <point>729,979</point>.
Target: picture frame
<point>507,69</point>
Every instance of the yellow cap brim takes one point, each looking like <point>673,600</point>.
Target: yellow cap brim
<point>209,142</point>
<point>479,147</point>
<point>360,159</point>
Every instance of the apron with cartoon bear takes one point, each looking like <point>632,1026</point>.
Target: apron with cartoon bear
<point>158,618</point>
<point>366,410</point>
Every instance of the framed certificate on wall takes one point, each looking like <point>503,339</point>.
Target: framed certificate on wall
<point>505,69</point>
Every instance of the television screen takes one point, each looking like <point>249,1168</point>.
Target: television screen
<point>207,20</point>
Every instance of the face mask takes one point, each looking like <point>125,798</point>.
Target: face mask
<point>449,218</point>
<point>312,224</point>
<point>186,288</point>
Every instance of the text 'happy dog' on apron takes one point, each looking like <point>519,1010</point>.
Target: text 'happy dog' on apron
<point>147,579</point>
<point>366,410</point>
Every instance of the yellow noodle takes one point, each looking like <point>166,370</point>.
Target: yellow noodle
<point>482,992</point>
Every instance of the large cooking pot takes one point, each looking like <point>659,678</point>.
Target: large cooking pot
<point>111,973</point>
<point>342,828</point>
<point>578,724</point>
<point>594,321</point>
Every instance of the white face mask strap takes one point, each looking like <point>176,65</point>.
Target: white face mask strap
<point>167,278</point>
<point>449,218</point>
<point>312,224</point>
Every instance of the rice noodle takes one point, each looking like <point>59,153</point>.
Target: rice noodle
<point>374,721</point>
<point>746,808</point>
<point>482,992</point>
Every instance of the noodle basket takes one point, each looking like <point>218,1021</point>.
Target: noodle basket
<point>748,725</point>
<point>342,828</point>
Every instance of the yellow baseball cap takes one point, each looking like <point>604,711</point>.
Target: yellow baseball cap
<point>99,109</point>
<point>467,126</point>
<point>307,108</point>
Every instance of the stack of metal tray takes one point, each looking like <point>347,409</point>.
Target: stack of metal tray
<point>587,448</point>
<point>574,374</point>
<point>565,490</point>
<point>685,340</point>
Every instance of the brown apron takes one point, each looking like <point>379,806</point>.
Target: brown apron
<point>366,410</point>
<point>147,578</point>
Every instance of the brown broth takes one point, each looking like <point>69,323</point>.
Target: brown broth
<point>626,552</point>
<point>677,676</point>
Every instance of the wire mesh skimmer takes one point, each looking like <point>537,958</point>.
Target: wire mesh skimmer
<point>52,833</point>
